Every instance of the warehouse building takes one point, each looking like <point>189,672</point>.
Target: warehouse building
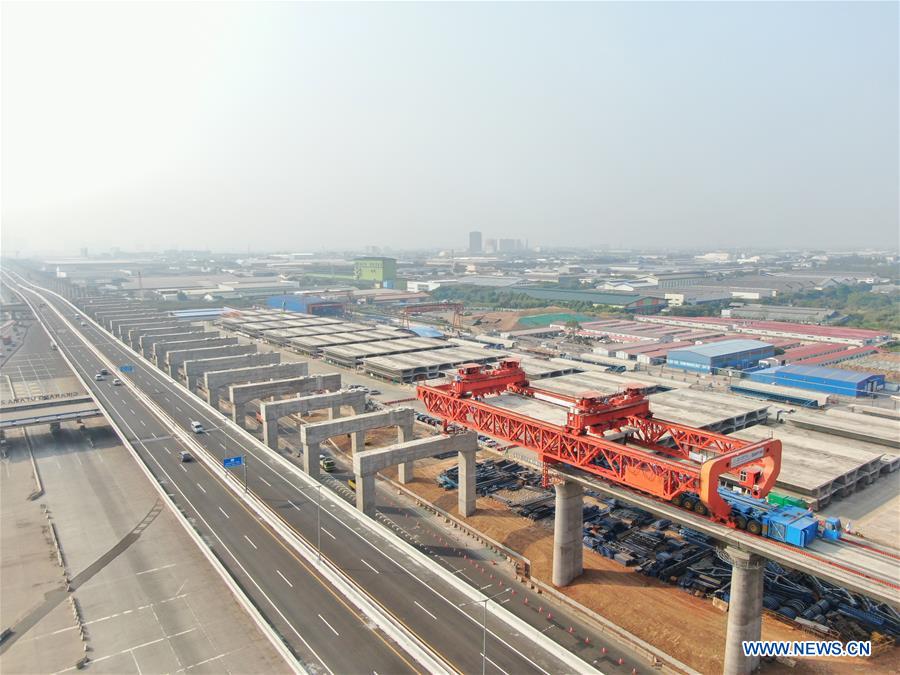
<point>713,356</point>
<point>817,378</point>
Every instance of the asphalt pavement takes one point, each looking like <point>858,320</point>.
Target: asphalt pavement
<point>325,632</point>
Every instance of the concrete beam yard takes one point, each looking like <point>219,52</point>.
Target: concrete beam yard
<point>133,339</point>
<point>272,411</point>
<point>194,369</point>
<point>367,463</point>
<point>176,358</point>
<point>241,394</point>
<point>106,318</point>
<point>161,349</point>
<point>214,380</point>
<point>148,342</point>
<point>313,435</point>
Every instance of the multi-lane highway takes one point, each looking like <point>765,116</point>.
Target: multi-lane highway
<point>327,632</point>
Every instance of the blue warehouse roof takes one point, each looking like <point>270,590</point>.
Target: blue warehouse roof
<point>723,347</point>
<point>833,374</point>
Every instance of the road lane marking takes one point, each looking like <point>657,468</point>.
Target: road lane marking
<point>250,542</point>
<point>488,659</point>
<point>264,481</point>
<point>223,513</point>
<point>369,566</point>
<point>416,603</point>
<point>155,569</point>
<point>329,625</point>
<point>132,412</point>
<point>183,467</point>
<point>285,579</point>
<point>293,504</point>
<point>328,533</point>
<point>143,422</point>
<point>202,488</point>
<point>167,450</point>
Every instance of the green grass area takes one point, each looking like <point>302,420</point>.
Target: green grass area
<point>540,320</point>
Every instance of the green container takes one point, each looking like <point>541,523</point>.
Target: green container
<point>785,500</point>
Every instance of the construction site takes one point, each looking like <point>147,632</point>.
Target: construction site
<point>688,518</point>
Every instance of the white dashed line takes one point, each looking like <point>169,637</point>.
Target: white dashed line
<point>249,542</point>
<point>328,533</point>
<point>286,581</point>
<point>202,488</point>
<point>264,481</point>
<point>424,610</point>
<point>369,566</point>
<point>329,625</point>
<point>223,513</point>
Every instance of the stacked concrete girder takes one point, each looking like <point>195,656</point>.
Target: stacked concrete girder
<point>161,349</point>
<point>272,411</point>
<point>176,358</point>
<point>744,609</point>
<point>312,435</point>
<point>148,342</point>
<point>241,394</point>
<point>194,369</point>
<point>105,318</point>
<point>568,559</point>
<point>123,328</point>
<point>213,380</point>
<point>368,462</point>
<point>134,333</point>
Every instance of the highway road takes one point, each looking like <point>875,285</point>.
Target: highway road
<point>325,632</point>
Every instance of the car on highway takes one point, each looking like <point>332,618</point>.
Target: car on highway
<point>196,427</point>
<point>104,371</point>
<point>83,323</point>
<point>186,456</point>
<point>327,463</point>
<point>98,377</point>
<point>116,382</point>
<point>375,392</point>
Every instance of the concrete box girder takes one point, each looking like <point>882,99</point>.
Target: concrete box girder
<point>123,328</point>
<point>177,357</point>
<point>115,325</point>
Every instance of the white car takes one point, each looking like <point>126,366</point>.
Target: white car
<point>196,427</point>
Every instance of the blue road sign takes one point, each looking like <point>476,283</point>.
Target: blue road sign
<point>127,368</point>
<point>230,462</point>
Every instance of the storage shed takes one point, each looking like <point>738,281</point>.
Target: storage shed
<point>818,378</point>
<point>712,356</point>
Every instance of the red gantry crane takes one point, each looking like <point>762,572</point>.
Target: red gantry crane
<point>664,459</point>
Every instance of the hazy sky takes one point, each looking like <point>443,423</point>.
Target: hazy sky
<point>306,126</point>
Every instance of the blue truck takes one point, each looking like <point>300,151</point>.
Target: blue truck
<point>785,523</point>
<point>780,522</point>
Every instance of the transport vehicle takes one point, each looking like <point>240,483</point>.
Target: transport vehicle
<point>196,427</point>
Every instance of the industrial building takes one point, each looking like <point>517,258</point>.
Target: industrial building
<point>382,271</point>
<point>818,378</point>
<point>306,304</point>
<point>710,357</point>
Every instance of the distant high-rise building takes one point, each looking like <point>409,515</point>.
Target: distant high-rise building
<point>509,245</point>
<point>84,253</point>
<point>474,242</point>
<point>490,245</point>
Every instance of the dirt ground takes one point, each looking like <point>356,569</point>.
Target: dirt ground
<point>503,321</point>
<point>687,627</point>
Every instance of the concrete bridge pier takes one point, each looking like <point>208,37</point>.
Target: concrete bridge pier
<point>311,460</point>
<point>405,469</point>
<point>365,494</point>
<point>744,610</point>
<point>568,558</point>
<point>466,489</point>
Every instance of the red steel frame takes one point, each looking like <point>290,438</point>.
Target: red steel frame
<point>694,463</point>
